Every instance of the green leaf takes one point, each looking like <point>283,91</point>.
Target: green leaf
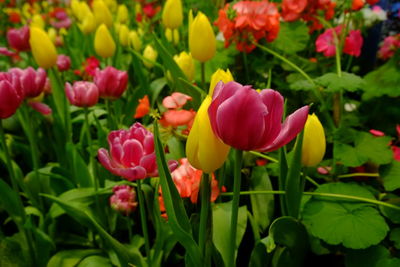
<point>156,87</point>
<point>348,156</point>
<point>390,175</point>
<point>259,256</point>
<point>95,261</point>
<point>347,82</point>
<point>67,258</point>
<point>302,85</point>
<point>292,38</point>
<point>221,216</point>
<point>367,257</point>
<point>80,170</point>
<point>354,224</point>
<point>262,205</point>
<point>393,215</point>
<point>11,202</point>
<point>395,237</point>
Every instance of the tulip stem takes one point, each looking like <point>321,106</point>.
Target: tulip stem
<point>235,206</point>
<point>110,115</point>
<point>205,210</point>
<point>203,76</point>
<point>143,219</point>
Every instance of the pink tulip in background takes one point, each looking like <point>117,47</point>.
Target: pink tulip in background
<point>82,94</point>
<point>132,154</point>
<point>111,82</point>
<point>63,62</point>
<point>10,96</point>
<point>31,82</point>
<point>19,38</point>
<point>247,120</point>
<point>124,199</point>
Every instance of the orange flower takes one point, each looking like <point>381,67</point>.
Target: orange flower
<point>143,108</point>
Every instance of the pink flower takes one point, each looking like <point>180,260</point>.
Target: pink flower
<point>389,46</point>
<point>176,100</point>
<point>132,154</point>
<point>377,133</point>
<point>247,120</point>
<point>31,82</point>
<point>353,43</point>
<point>123,199</point>
<point>40,107</point>
<point>19,38</point>
<point>82,94</point>
<point>10,95</point>
<point>325,43</point>
<point>111,82</point>
<point>5,52</point>
<point>175,116</point>
<point>63,62</point>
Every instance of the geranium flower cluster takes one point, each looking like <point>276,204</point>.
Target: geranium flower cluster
<point>389,46</point>
<point>353,42</point>
<point>247,21</point>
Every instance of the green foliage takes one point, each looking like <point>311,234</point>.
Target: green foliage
<point>390,175</point>
<point>375,256</point>
<point>67,258</point>
<point>332,221</point>
<point>293,37</point>
<point>347,82</point>
<point>395,237</point>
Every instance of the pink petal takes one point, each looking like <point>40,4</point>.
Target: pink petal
<point>274,102</point>
<point>40,107</point>
<point>133,151</point>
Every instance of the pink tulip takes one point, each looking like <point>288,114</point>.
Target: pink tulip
<point>10,96</point>
<point>63,62</point>
<point>353,43</point>
<point>19,38</point>
<point>132,154</point>
<point>31,82</point>
<point>82,94</point>
<point>111,82</point>
<point>123,199</point>
<point>247,120</point>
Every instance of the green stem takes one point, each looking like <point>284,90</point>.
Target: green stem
<point>246,68</point>
<point>110,115</point>
<point>143,219</point>
<point>205,210</point>
<point>269,78</point>
<point>361,199</point>
<point>203,76</point>
<point>358,174</point>
<point>235,206</point>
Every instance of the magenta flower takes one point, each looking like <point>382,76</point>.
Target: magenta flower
<point>31,82</point>
<point>123,199</point>
<point>325,43</point>
<point>19,38</point>
<point>353,43</point>
<point>247,120</point>
<point>82,94</point>
<point>132,154</point>
<point>111,82</point>
<point>63,62</point>
<point>10,95</point>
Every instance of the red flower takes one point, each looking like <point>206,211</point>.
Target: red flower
<point>292,9</point>
<point>143,108</point>
<point>353,43</point>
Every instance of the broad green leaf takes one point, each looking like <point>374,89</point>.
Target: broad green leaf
<point>11,202</point>
<point>333,220</point>
<point>347,82</point>
<point>259,256</point>
<point>156,87</point>
<point>81,174</point>
<point>67,258</point>
<point>262,205</point>
<point>302,85</point>
<point>95,261</point>
<point>221,220</point>
<point>391,214</point>
<point>390,175</point>
<point>293,37</point>
<point>13,251</point>
<point>348,156</point>
<point>395,237</point>
<point>367,257</point>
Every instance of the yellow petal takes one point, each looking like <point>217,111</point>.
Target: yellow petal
<point>43,49</point>
<point>104,44</point>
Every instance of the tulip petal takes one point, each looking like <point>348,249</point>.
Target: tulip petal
<point>40,107</point>
<point>132,152</point>
<point>273,100</point>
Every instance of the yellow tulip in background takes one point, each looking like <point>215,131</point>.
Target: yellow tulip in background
<point>104,44</point>
<point>186,63</point>
<point>37,21</point>
<point>135,41</point>
<point>172,15</point>
<point>314,142</point>
<point>204,150</point>
<point>101,13</point>
<point>219,75</point>
<point>168,35</point>
<point>88,24</point>
<point>123,35</point>
<point>80,9</point>
<point>122,14</point>
<point>151,54</point>
<point>43,49</point>
<point>202,43</point>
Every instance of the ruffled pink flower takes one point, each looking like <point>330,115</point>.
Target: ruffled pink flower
<point>247,120</point>
<point>82,94</point>
<point>63,62</point>
<point>175,100</point>
<point>124,199</point>
<point>132,154</point>
<point>10,95</point>
<point>19,38</point>
<point>111,82</point>
<point>353,43</point>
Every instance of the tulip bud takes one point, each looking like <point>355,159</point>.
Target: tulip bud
<point>80,9</point>
<point>19,38</point>
<point>30,82</point>
<point>172,15</point>
<point>10,97</point>
<point>151,54</point>
<point>219,75</point>
<point>63,62</point>
<point>43,50</point>
<point>103,42</point>
<point>123,35</point>
<point>102,13</point>
<point>314,142</point>
<point>172,35</point>
<point>88,24</point>
<point>82,94</point>
<point>202,41</point>
<point>111,82</point>
<point>52,33</point>
<point>186,63</point>
<point>135,41</point>
<point>122,14</point>
<point>37,21</point>
<point>124,199</point>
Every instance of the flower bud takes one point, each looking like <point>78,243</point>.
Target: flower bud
<point>43,49</point>
<point>202,41</point>
<point>63,62</point>
<point>151,54</point>
<point>19,38</point>
<point>101,13</point>
<point>103,42</point>
<point>123,35</point>
<point>88,23</point>
<point>10,96</point>
<point>124,199</point>
<point>186,63</point>
<point>314,142</point>
<point>135,41</point>
<point>169,33</point>
<point>122,14</point>
<point>172,15</point>
<point>82,94</point>
<point>37,21</point>
<point>111,82</point>
<point>80,9</point>
<point>30,82</point>
<point>219,75</point>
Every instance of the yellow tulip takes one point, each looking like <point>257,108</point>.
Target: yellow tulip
<point>124,35</point>
<point>151,54</point>
<point>43,49</point>
<point>172,15</point>
<point>202,41</point>
<point>52,33</point>
<point>219,75</point>
<point>80,9</point>
<point>168,35</point>
<point>122,14</point>
<point>104,44</point>
<point>204,150</point>
<point>88,24</point>
<point>314,142</point>
<point>135,41</point>
<point>37,21</point>
<point>112,5</point>
<point>101,13</point>
<point>186,63</point>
